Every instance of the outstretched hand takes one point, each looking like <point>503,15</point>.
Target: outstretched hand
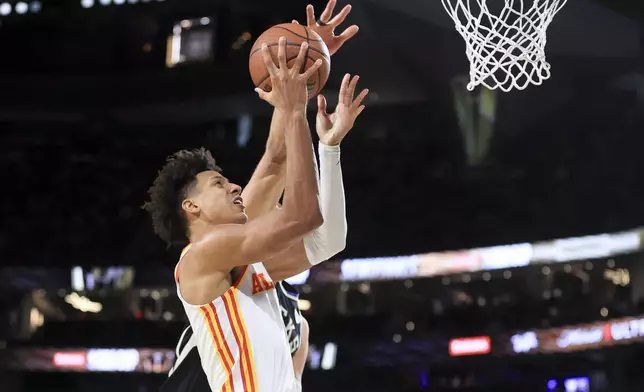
<point>325,26</point>
<point>288,85</point>
<point>332,128</point>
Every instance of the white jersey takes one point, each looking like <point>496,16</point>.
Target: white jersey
<point>240,336</point>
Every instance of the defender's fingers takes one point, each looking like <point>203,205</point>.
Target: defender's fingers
<point>352,87</point>
<point>343,98</point>
<point>358,101</point>
<point>310,16</point>
<point>321,104</point>
<point>328,11</point>
<point>341,16</point>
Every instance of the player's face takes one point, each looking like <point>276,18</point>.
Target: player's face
<point>218,200</point>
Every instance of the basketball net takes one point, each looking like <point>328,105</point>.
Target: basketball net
<point>506,47</point>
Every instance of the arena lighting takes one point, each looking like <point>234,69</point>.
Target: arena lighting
<point>5,9</point>
<point>328,356</point>
<point>36,319</point>
<point>379,268</point>
<point>524,342</point>
<point>83,304</point>
<point>304,304</point>
<point>587,247</point>
<point>35,7</point>
<point>322,359</point>
<point>580,337</point>
<point>21,8</point>
<point>112,360</point>
<point>69,360</point>
<point>478,345</point>
<point>118,2</point>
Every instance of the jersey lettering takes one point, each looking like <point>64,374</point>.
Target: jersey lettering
<point>260,283</point>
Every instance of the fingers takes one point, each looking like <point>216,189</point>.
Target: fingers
<point>360,109</point>
<point>328,11</point>
<point>321,104</point>
<point>357,103</point>
<point>262,94</point>
<point>295,21</point>
<point>344,98</point>
<point>340,17</point>
<point>299,61</point>
<point>310,16</point>
<point>312,69</point>
<point>281,53</point>
<point>268,60</point>
<point>351,90</point>
<point>347,34</point>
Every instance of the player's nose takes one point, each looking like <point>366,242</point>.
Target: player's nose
<point>235,189</point>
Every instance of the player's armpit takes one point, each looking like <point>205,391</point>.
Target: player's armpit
<point>232,245</point>
<point>288,263</point>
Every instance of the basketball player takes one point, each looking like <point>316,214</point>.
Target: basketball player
<point>238,332</point>
<point>187,375</point>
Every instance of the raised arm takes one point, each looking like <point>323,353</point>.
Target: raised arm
<point>266,185</point>
<point>240,244</point>
<point>330,238</point>
<point>267,182</point>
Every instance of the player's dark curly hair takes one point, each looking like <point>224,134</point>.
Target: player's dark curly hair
<point>173,184</point>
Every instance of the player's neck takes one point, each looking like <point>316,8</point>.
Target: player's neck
<point>198,230</point>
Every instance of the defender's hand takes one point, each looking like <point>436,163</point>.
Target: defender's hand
<point>326,25</point>
<point>288,85</point>
<point>332,128</point>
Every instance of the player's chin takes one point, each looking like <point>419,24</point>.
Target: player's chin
<point>241,218</point>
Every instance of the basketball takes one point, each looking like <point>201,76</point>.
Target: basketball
<point>295,35</point>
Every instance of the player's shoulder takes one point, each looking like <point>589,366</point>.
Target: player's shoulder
<point>201,264</point>
<point>215,245</point>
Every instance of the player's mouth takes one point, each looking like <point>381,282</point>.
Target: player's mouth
<point>238,201</point>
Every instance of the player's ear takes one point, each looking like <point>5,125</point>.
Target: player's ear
<point>189,205</point>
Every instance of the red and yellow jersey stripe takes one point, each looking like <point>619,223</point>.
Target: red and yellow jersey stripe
<point>247,368</point>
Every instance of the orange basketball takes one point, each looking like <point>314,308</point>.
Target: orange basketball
<point>295,34</point>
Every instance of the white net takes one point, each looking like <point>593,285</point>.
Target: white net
<point>505,46</point>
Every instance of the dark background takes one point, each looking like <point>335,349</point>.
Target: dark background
<point>89,111</point>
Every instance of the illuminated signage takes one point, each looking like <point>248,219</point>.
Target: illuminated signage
<point>577,338</point>
<point>524,342</point>
<point>470,346</point>
<point>115,360</point>
<point>95,360</point>
<point>626,330</point>
<point>68,360</point>
<point>379,268</point>
<point>580,337</point>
